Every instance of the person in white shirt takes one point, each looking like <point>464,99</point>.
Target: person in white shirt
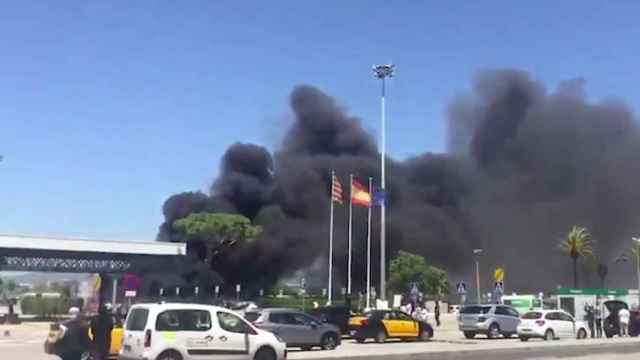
<point>623,317</point>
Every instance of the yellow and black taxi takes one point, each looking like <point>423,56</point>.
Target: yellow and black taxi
<point>381,325</point>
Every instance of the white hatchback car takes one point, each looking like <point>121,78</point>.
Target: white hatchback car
<point>550,324</point>
<point>171,331</point>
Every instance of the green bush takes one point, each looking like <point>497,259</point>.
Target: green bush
<point>44,306</point>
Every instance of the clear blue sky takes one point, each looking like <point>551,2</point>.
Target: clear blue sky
<point>109,107</point>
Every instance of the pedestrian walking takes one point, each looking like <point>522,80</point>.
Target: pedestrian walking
<point>590,319</point>
<point>598,313</point>
<point>101,328</point>
<point>436,312</point>
<point>624,315</point>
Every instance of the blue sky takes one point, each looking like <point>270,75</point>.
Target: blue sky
<point>107,108</point>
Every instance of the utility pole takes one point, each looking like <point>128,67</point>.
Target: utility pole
<point>476,253</point>
<point>382,72</point>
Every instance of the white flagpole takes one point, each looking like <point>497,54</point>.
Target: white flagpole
<point>330,287</point>
<point>350,219</point>
<point>369,247</point>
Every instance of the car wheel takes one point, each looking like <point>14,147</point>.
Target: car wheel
<point>329,341</point>
<point>524,339</point>
<point>426,335</point>
<point>89,355</point>
<point>582,334</point>
<point>360,340</point>
<point>548,335</point>
<point>494,331</point>
<point>508,335</point>
<point>469,334</point>
<point>265,353</point>
<point>381,336</point>
<point>169,355</point>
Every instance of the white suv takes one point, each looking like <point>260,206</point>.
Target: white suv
<point>192,331</point>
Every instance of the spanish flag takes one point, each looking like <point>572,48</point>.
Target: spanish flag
<point>359,194</point>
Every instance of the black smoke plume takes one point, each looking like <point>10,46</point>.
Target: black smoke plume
<point>523,165</point>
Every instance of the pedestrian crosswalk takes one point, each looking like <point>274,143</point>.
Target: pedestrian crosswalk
<point>12,342</point>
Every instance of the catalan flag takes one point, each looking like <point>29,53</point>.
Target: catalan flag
<point>336,190</point>
<point>359,194</point>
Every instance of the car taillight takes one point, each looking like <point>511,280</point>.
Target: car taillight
<point>482,319</point>
<point>147,338</point>
<point>540,322</point>
<point>364,322</point>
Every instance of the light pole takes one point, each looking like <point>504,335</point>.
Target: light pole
<point>476,253</point>
<point>637,252</point>
<point>381,72</point>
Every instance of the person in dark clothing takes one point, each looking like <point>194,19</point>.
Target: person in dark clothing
<point>590,319</point>
<point>436,311</point>
<point>76,339</point>
<point>101,327</point>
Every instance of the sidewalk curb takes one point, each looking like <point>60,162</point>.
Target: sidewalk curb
<point>560,350</point>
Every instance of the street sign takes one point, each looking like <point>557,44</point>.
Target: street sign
<point>498,275</point>
<point>461,287</point>
<point>130,293</point>
<point>499,287</point>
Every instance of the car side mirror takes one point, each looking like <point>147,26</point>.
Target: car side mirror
<point>313,324</point>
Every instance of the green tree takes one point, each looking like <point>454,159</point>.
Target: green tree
<point>577,244</point>
<point>407,269</point>
<point>218,231</point>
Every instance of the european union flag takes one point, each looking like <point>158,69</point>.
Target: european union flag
<point>379,197</point>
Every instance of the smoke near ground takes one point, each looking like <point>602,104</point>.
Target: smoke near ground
<point>524,164</point>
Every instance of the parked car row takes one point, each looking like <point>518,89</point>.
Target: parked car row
<point>176,331</point>
<point>496,320</point>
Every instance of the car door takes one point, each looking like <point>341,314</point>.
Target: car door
<point>232,338</point>
<point>514,319</point>
<point>568,325</point>
<point>189,330</point>
<point>408,325</point>
<point>391,324</point>
<point>553,321</point>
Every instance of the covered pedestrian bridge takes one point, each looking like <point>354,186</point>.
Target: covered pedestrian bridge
<point>109,259</point>
<point>48,254</point>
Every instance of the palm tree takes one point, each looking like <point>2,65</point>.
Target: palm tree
<point>577,244</point>
<point>632,255</point>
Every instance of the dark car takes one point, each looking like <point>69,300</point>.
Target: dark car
<point>296,328</point>
<point>336,315</point>
<point>383,324</point>
<point>611,323</point>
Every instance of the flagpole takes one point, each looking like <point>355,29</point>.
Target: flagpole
<point>369,247</point>
<point>330,287</point>
<point>350,231</point>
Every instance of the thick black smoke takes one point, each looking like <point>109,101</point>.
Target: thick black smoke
<point>523,166</point>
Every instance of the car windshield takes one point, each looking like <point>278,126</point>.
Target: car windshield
<point>475,309</point>
<point>532,315</point>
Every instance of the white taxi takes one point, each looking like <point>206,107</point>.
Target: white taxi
<point>175,331</point>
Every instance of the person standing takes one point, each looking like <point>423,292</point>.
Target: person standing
<point>589,318</point>
<point>624,315</point>
<point>436,312</point>
<point>597,314</point>
<point>101,328</point>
